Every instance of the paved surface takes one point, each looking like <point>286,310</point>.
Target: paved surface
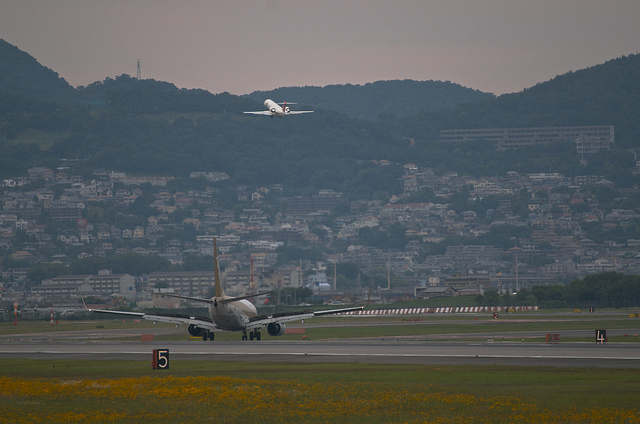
<point>392,351</point>
<point>486,348</point>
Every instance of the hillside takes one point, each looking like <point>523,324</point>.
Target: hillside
<point>370,101</point>
<point>22,75</point>
<point>606,94</point>
<point>153,97</point>
<point>152,127</point>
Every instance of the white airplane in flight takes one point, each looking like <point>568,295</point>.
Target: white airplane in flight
<point>227,313</point>
<point>278,109</point>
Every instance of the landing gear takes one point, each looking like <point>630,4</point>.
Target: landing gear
<point>255,334</point>
<point>208,335</point>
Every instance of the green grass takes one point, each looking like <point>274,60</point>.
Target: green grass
<point>213,391</point>
<point>28,327</point>
<point>196,391</point>
<point>465,328</point>
<point>44,139</point>
<point>433,325</point>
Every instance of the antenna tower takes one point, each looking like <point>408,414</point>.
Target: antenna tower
<point>252,284</point>
<point>138,68</point>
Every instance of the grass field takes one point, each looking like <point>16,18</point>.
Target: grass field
<point>240,392</point>
<point>44,139</point>
<point>78,391</point>
<point>26,327</point>
<point>435,325</point>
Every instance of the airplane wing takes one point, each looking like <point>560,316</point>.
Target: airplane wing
<point>283,317</point>
<point>294,112</point>
<point>202,322</point>
<point>279,318</point>
<point>262,112</point>
<point>226,300</point>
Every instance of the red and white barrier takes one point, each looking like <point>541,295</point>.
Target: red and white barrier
<point>448,310</point>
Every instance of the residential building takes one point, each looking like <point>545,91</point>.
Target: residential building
<point>588,139</point>
<point>193,283</point>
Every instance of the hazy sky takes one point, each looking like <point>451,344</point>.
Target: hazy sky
<point>240,46</point>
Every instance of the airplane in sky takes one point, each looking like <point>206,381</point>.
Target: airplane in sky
<point>278,109</point>
<point>227,313</point>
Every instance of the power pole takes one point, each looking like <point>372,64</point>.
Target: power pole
<point>335,276</point>
<point>388,271</point>
<point>139,76</point>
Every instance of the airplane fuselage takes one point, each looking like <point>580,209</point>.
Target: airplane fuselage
<point>275,108</point>
<point>232,316</point>
<point>230,313</point>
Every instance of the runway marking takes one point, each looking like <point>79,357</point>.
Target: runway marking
<point>331,354</point>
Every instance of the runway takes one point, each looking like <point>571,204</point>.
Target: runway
<point>479,348</point>
<point>390,351</point>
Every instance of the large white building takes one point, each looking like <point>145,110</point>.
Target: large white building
<point>588,139</point>
<point>191,283</point>
<point>75,286</point>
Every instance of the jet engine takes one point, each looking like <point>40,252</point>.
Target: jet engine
<point>287,110</point>
<point>275,329</point>
<point>273,110</point>
<point>196,331</point>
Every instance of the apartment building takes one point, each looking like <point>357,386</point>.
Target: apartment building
<point>588,139</point>
<point>193,283</point>
<point>75,286</point>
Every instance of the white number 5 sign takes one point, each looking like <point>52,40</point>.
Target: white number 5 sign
<point>160,359</point>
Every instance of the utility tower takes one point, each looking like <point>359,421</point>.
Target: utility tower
<point>138,76</point>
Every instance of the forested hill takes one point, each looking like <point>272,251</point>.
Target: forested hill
<point>606,94</point>
<point>21,74</point>
<point>156,97</point>
<point>152,127</point>
<point>386,98</point>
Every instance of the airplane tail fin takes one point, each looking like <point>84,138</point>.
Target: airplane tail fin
<point>218,285</point>
<point>285,108</point>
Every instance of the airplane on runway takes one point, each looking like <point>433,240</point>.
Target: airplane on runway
<point>278,109</point>
<point>227,313</point>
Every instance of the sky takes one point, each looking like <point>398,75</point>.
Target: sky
<point>241,46</point>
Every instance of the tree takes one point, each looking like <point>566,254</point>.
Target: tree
<point>348,274</point>
<point>489,298</point>
<point>606,288</point>
<point>197,263</point>
<point>135,264</point>
<point>393,238</point>
<point>397,236</point>
<point>524,297</point>
<point>43,271</point>
<point>88,266</point>
<point>368,182</point>
<point>289,253</point>
<point>293,295</point>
